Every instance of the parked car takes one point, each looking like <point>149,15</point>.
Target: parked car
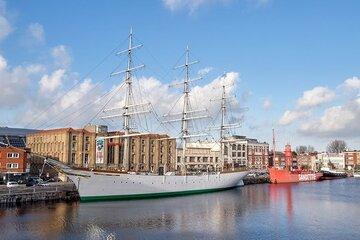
<point>12,184</point>
<point>33,181</point>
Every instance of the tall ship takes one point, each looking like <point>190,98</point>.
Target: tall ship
<point>96,185</point>
<point>286,174</point>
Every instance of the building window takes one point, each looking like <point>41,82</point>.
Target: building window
<point>87,138</point>
<point>13,155</point>
<point>73,158</point>
<point>234,154</point>
<point>12,165</point>
<point>74,138</point>
<point>239,147</point>
<point>233,147</point>
<point>73,146</point>
<point>86,159</point>
<point>243,154</point>
<point>243,147</point>
<point>87,146</point>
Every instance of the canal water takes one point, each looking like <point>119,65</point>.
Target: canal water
<point>322,210</point>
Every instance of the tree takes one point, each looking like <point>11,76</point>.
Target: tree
<point>304,149</point>
<point>336,146</point>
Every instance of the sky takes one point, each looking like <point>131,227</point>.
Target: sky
<point>290,65</point>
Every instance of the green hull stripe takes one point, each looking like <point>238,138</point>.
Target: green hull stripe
<point>149,195</point>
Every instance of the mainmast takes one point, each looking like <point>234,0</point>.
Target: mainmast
<point>187,113</point>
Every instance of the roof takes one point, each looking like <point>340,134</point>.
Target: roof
<point>14,136</point>
<point>15,131</point>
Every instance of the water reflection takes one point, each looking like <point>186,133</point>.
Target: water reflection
<point>284,211</point>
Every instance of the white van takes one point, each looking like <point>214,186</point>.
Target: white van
<point>12,184</point>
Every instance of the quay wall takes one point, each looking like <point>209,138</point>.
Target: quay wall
<point>52,192</point>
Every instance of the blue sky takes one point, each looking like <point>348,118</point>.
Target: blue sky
<point>295,56</point>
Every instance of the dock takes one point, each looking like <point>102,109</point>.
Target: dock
<point>59,191</point>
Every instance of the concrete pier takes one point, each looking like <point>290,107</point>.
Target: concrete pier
<point>61,191</point>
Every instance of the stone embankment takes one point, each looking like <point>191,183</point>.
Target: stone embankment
<point>61,191</point>
<point>257,179</point>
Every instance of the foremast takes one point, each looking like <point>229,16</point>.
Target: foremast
<point>129,108</point>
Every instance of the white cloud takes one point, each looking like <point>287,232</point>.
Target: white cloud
<point>61,56</point>
<point>14,84</point>
<point>267,104</point>
<point>204,71</point>
<point>315,97</point>
<point>3,63</point>
<point>76,94</point>
<point>291,116</point>
<point>5,27</point>
<point>36,32</point>
<point>337,121</point>
<point>50,83</point>
<point>352,83</point>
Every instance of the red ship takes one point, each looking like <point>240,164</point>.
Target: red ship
<point>287,175</point>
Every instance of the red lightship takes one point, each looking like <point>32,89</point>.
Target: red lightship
<point>287,175</point>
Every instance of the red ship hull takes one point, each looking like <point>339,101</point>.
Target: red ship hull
<point>286,176</point>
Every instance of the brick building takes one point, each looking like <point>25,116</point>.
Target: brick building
<point>352,159</point>
<point>13,160</point>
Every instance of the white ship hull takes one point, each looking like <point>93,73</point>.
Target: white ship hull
<point>98,186</point>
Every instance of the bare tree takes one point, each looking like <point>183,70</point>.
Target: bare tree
<point>304,149</point>
<point>336,146</point>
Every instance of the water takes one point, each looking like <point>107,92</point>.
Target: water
<point>323,210</point>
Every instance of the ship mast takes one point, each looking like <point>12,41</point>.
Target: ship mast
<point>130,108</point>
<point>187,114</point>
<point>224,126</point>
<point>274,153</point>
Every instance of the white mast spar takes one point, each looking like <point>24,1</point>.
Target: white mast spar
<point>187,114</point>
<point>224,126</point>
<point>130,107</point>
